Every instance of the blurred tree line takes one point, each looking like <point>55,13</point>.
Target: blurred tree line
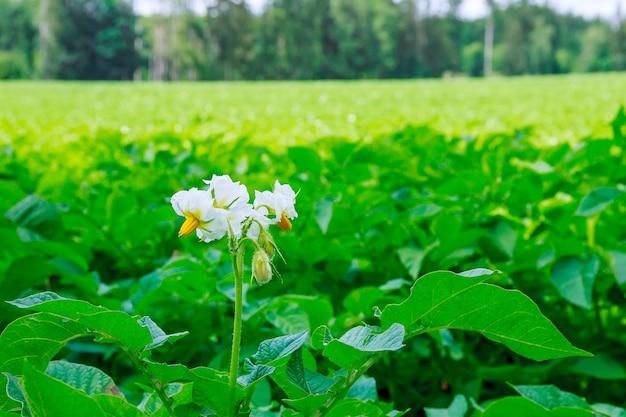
<point>299,39</point>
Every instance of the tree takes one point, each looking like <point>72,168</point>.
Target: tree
<point>95,39</point>
<point>595,49</point>
<point>489,35</point>
<point>541,53</point>
<point>18,36</point>
<point>230,25</point>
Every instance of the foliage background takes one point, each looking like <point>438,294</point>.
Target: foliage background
<point>85,191</point>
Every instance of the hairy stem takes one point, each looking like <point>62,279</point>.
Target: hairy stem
<point>156,384</point>
<point>353,376</point>
<point>234,355</point>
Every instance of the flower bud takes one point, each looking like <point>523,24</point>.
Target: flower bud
<point>267,243</point>
<point>261,267</point>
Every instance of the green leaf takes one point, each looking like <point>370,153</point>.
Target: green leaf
<point>618,263</point>
<point>114,406</point>
<point>180,392</point>
<point>324,212</point>
<point>47,396</point>
<point>254,373</point>
<point>210,387</point>
<point>287,317</point>
<point>137,334</point>
<point>443,299</point>
<point>361,338</point>
<point>355,407</point>
<point>364,389</point>
<point>269,352</point>
<point>37,219</point>
<point>412,257</point>
<point>549,396</point>
<point>424,211</point>
<point>574,279</point>
<point>519,406</point>
<point>279,347</point>
<point>601,366</point>
<point>15,392</point>
<point>609,410</point>
<point>352,349</point>
<point>306,160</point>
<point>457,408</point>
<point>540,167</point>
<point>310,404</point>
<point>159,337</point>
<point>318,310</point>
<point>26,272</point>
<point>35,339</point>
<point>505,238</point>
<point>85,378</point>
<point>306,381</point>
<point>597,200</point>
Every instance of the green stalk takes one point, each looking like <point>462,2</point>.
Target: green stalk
<point>234,355</point>
<point>591,229</point>
<point>159,388</point>
<point>353,376</point>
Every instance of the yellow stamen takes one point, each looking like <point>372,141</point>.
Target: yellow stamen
<point>284,223</point>
<point>190,224</point>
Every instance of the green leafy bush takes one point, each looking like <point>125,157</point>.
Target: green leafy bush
<point>110,313</point>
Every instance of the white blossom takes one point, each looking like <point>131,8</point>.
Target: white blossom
<point>280,203</point>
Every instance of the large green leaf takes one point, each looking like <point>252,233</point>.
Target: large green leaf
<point>574,279</point>
<point>355,407</point>
<point>309,404</point>
<point>617,260</point>
<point>601,366</point>
<point>85,378</point>
<point>137,334</point>
<point>210,387</point>
<point>36,218</point>
<point>297,381</point>
<point>563,403</point>
<point>324,212</point>
<point>15,393</point>
<point>549,396</point>
<point>352,349</point>
<point>597,200</point>
<point>445,300</point>
<point>35,339</point>
<point>279,347</point>
<point>49,397</point>
<point>269,352</point>
<point>412,257</point>
<point>519,406</point>
<point>457,408</point>
<point>114,406</point>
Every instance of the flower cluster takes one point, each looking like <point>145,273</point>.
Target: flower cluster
<point>224,209</point>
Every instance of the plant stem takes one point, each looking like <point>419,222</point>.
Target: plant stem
<point>156,383</point>
<point>234,355</point>
<point>353,376</point>
<point>591,229</point>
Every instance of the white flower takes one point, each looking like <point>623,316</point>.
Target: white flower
<point>231,203</point>
<point>258,221</point>
<point>225,209</point>
<point>197,208</point>
<point>228,194</point>
<point>281,203</point>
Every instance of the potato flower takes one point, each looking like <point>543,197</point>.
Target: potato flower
<point>225,209</point>
<point>280,203</point>
<point>196,206</point>
<point>231,204</point>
